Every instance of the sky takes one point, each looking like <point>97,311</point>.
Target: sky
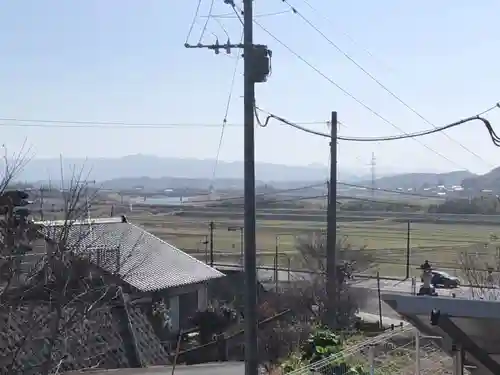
<point>124,61</point>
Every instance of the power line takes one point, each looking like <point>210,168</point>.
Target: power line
<point>211,32</point>
<point>221,25</point>
<point>493,135</point>
<point>76,125</point>
<point>416,195</point>
<point>347,93</point>
<point>280,191</point>
<point>48,123</point>
<point>261,15</point>
<point>297,199</point>
<point>260,195</point>
<point>224,121</point>
<point>264,123</point>
<point>348,36</point>
<point>348,197</point>
<point>193,22</point>
<point>369,233</point>
<point>378,82</point>
<point>238,15</point>
<point>206,21</point>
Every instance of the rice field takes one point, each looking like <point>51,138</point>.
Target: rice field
<point>441,244</point>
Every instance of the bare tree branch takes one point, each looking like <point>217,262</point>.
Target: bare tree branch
<point>480,275</point>
<point>13,164</point>
<point>60,293</point>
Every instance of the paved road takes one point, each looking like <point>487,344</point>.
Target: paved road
<point>369,303</point>
<point>227,368</point>
<point>395,286</point>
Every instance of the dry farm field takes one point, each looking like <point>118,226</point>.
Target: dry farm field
<point>441,244</point>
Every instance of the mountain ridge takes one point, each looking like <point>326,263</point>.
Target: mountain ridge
<point>161,172</point>
<point>137,166</point>
<point>487,181</point>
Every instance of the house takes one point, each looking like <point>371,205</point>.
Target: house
<point>140,271</point>
<point>153,270</point>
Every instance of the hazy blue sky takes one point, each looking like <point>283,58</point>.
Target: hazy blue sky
<point>124,60</point>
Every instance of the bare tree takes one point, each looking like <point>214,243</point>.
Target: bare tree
<point>312,251</point>
<point>55,309</point>
<point>13,165</point>
<point>305,298</point>
<point>480,273</point>
<point>15,234</point>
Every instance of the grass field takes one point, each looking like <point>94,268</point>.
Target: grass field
<point>441,244</point>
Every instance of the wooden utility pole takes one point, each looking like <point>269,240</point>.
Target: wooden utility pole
<point>331,232</point>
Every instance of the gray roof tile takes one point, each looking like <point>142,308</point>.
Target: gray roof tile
<point>141,259</point>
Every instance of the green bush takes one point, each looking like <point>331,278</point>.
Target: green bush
<point>323,344</point>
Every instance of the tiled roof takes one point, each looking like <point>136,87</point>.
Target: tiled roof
<point>138,257</point>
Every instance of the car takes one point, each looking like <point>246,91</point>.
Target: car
<point>444,280</point>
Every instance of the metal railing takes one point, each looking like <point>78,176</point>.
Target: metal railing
<point>353,355</point>
<point>402,351</point>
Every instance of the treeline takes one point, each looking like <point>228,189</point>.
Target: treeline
<point>481,206</point>
<point>380,206</point>
<point>478,206</point>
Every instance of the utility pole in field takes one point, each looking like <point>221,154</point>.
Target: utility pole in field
<point>373,165</point>
<point>211,228</point>
<point>408,231</point>
<point>205,242</point>
<point>256,70</point>
<point>332,286</point>
<point>41,202</point>
<point>242,237</point>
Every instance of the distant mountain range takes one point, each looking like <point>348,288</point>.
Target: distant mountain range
<point>149,167</point>
<point>488,181</point>
<point>153,172</point>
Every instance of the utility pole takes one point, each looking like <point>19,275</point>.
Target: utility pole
<point>41,202</point>
<point>234,229</point>
<point>211,227</point>
<point>408,231</point>
<point>331,234</point>
<point>257,67</point>
<point>250,264</point>
<point>373,164</point>
<point>205,242</point>
<point>276,272</point>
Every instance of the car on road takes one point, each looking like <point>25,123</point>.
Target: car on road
<point>444,280</point>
